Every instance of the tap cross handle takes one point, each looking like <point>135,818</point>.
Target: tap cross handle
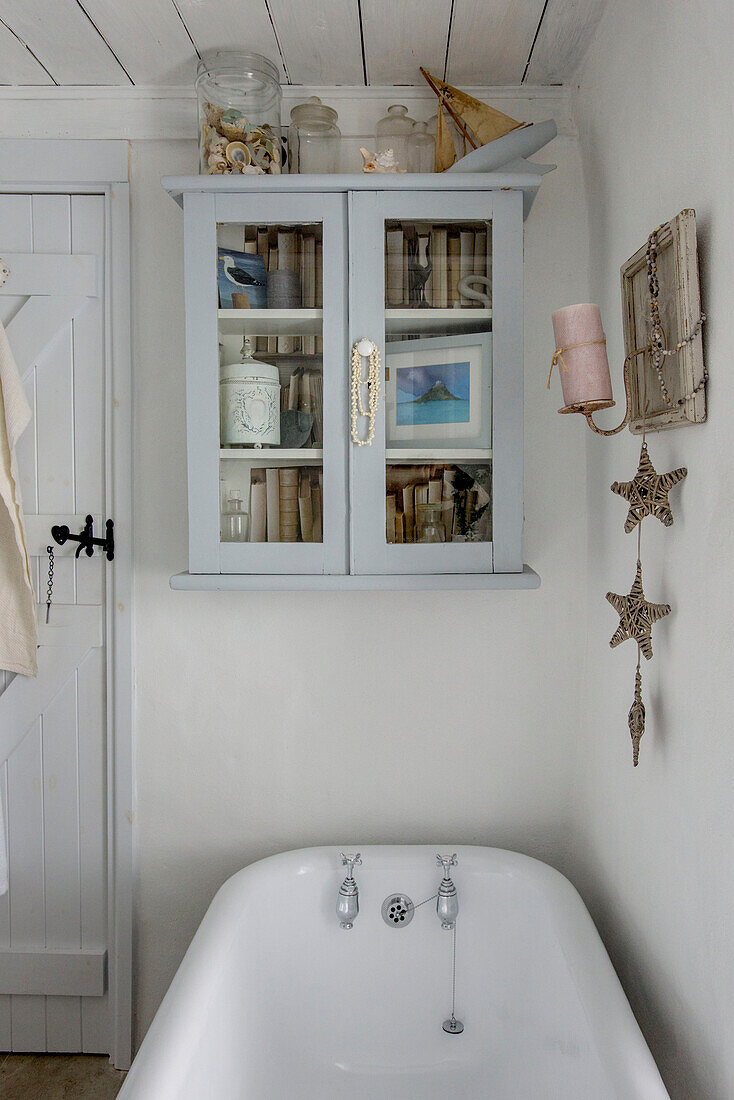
<point>351,860</point>
<point>447,862</point>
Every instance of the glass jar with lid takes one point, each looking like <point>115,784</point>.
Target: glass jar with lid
<point>393,132</point>
<point>313,137</point>
<point>239,114</point>
<point>249,401</point>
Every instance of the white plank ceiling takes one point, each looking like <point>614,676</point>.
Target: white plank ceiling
<point>352,42</point>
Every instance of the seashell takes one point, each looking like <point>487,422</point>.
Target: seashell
<point>217,163</point>
<point>217,143</point>
<point>237,153</point>
<point>275,168</point>
<point>231,131</point>
<point>212,113</point>
<point>380,162</point>
<point>261,156</point>
<point>252,170</point>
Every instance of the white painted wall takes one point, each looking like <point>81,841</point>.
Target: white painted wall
<point>655,115</point>
<point>274,720</point>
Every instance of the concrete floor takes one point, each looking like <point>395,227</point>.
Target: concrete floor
<point>58,1077</point>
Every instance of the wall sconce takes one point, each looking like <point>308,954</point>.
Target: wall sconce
<point>581,354</point>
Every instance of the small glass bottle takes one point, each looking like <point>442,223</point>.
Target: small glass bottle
<point>313,138</point>
<point>430,524</point>
<point>394,132</point>
<point>421,149</point>
<point>235,520</point>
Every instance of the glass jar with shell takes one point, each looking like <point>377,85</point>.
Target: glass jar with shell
<point>239,114</point>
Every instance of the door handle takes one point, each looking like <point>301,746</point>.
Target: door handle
<point>86,539</point>
<point>367,349</point>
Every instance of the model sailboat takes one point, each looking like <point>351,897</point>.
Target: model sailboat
<point>477,122</point>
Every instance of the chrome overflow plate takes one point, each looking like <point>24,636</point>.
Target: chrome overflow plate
<point>397,910</point>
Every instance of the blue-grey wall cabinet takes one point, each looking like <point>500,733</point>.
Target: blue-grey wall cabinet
<point>420,488</point>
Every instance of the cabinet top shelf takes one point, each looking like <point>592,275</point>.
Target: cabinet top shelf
<point>527,182</point>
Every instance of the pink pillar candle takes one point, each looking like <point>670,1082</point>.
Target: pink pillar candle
<point>586,377</point>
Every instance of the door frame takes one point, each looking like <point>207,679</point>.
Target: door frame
<point>45,166</point>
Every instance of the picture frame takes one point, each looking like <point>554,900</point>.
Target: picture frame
<point>680,310</point>
<point>458,370</point>
<point>241,274</point>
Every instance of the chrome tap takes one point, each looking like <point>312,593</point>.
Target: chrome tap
<point>447,902</point>
<point>347,904</point>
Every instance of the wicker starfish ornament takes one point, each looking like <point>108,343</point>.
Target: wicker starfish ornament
<point>636,615</point>
<point>647,493</point>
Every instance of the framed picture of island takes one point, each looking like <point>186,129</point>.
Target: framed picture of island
<point>438,392</point>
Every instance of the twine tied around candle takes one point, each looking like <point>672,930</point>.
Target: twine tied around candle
<point>558,355</point>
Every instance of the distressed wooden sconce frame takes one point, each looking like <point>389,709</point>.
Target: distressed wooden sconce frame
<point>680,310</point>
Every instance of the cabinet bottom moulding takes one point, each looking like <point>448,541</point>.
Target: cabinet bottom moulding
<point>245,582</point>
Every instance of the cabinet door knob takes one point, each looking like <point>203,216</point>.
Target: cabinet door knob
<point>364,349</point>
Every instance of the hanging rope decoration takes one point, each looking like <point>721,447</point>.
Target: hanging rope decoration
<point>636,718</point>
<point>364,348</point>
<point>647,495</point>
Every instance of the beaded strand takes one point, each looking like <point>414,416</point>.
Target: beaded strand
<point>372,382</point>
<point>657,338</point>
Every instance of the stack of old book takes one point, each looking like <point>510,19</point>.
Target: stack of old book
<point>285,505</point>
<point>463,499</point>
<point>454,251</point>
<point>287,248</point>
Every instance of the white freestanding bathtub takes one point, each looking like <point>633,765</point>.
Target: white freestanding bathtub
<point>274,1000</point>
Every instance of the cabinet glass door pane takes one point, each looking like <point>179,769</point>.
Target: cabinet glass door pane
<point>271,382</point>
<point>438,381</point>
<point>438,488</point>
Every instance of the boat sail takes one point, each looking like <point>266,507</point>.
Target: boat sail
<point>477,122</point>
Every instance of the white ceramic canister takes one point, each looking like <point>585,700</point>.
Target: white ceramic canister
<point>249,401</point>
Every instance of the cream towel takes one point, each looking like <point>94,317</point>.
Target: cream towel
<point>18,628</point>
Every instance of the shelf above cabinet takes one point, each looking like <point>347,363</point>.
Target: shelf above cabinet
<point>435,320</point>
<point>270,322</point>
<point>245,582</point>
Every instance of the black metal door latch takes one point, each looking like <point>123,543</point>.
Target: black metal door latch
<point>86,539</point>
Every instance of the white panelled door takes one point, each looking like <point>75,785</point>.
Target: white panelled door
<point>53,922</point>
